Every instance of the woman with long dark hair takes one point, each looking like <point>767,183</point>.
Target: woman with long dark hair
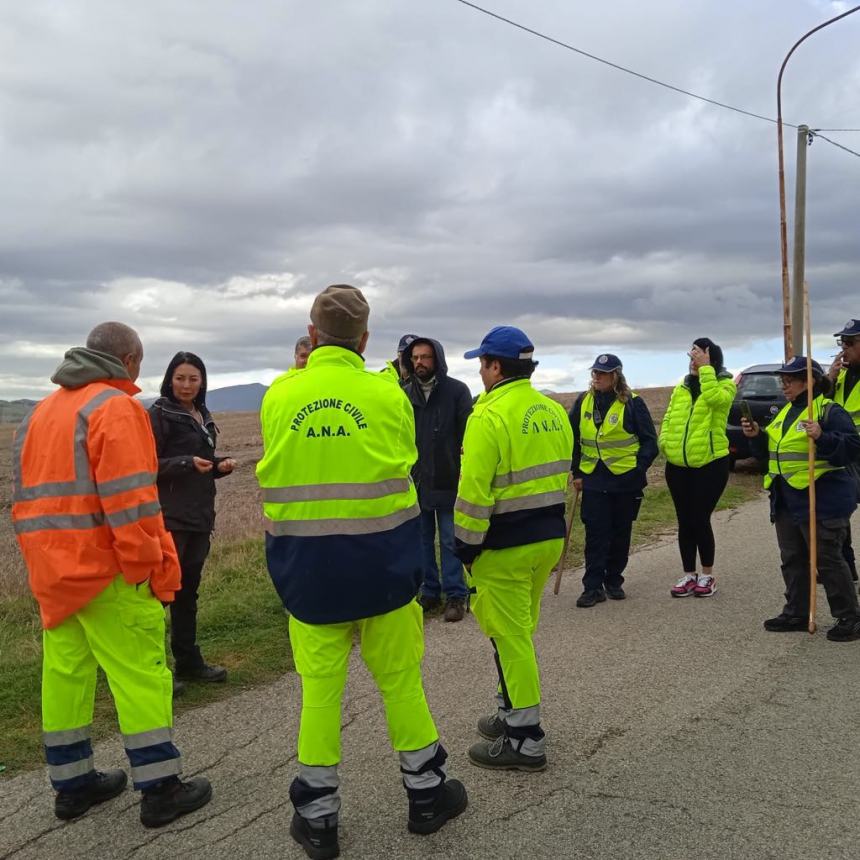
<point>185,437</point>
<point>694,442</point>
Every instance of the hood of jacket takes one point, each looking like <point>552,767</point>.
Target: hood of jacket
<point>81,366</point>
<point>438,351</point>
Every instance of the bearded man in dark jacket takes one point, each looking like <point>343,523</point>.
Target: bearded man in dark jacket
<point>442,406</point>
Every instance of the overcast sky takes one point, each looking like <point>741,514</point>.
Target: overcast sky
<point>200,170</point>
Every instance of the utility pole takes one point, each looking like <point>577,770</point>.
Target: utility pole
<point>803,140</point>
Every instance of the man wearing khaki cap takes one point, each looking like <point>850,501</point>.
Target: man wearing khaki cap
<point>343,547</point>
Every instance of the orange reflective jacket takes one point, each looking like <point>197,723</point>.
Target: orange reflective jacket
<point>85,504</point>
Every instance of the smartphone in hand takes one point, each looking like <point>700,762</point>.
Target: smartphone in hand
<point>746,412</point>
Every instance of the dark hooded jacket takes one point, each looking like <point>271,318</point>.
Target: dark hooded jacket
<point>440,423</point>
<point>187,497</point>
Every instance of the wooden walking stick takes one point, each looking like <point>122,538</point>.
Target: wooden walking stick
<point>560,567</point>
<point>813,531</point>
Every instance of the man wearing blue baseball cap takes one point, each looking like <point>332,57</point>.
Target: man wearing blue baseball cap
<point>509,527</point>
<point>845,373</point>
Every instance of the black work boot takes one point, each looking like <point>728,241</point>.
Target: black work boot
<point>845,629</point>
<point>75,802</point>
<point>590,597</point>
<point>500,755</point>
<point>206,673</point>
<point>171,798</point>
<point>783,623</point>
<point>430,808</point>
<point>320,843</point>
<point>491,727</point>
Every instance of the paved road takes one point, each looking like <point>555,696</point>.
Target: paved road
<point>677,729</point>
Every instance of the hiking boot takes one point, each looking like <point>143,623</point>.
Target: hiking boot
<point>783,623</point>
<point>590,597</point>
<point>103,786</point>
<point>430,808</point>
<point>171,798</point>
<point>206,673</point>
<point>705,586</point>
<point>845,629</point>
<point>320,843</point>
<point>500,755</point>
<point>616,593</point>
<point>491,727</point>
<point>428,603</point>
<point>455,609</point>
<point>685,586</point>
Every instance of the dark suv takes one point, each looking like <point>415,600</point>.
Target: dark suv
<point>759,386</point>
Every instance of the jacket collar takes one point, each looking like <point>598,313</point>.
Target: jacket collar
<point>328,356</point>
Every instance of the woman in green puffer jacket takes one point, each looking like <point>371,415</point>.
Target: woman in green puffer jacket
<point>693,440</point>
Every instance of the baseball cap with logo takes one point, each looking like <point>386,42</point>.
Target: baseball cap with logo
<point>850,329</point>
<point>798,365</point>
<point>504,341</point>
<point>606,362</point>
<point>405,341</point>
<point>341,311</point>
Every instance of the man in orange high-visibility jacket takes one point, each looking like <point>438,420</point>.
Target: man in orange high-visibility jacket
<point>86,514</point>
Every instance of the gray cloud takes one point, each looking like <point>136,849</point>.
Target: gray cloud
<point>200,170</point>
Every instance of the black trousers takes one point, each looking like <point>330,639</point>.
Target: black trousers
<point>608,520</point>
<point>192,548</point>
<point>833,570</point>
<point>695,493</point>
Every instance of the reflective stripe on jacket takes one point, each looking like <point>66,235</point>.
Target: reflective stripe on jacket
<point>693,434</point>
<point>342,524</point>
<point>851,404</point>
<point>788,448</point>
<point>516,459</point>
<point>609,442</point>
<point>85,505</point>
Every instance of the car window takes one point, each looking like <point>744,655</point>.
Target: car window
<point>760,385</point>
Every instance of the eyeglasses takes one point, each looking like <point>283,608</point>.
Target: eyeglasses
<point>846,341</point>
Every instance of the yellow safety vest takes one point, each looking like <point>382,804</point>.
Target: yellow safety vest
<point>610,442</point>
<point>850,404</point>
<point>516,457</point>
<point>788,448</point>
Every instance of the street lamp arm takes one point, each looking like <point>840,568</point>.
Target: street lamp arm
<point>783,225</point>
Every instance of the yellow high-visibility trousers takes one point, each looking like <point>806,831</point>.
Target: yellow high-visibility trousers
<point>121,630</point>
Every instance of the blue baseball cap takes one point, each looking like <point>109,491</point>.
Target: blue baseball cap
<point>405,341</point>
<point>504,341</point>
<point>606,362</point>
<point>850,329</point>
<point>798,365</point>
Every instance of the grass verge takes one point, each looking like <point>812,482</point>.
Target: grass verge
<point>241,625</point>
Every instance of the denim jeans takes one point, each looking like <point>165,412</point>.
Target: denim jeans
<point>452,583</point>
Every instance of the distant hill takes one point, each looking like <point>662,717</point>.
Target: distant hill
<point>12,411</point>
<point>236,398</point>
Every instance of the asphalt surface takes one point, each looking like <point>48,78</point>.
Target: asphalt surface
<point>676,729</point>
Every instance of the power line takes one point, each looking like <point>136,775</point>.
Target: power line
<point>641,76</point>
<point>815,132</point>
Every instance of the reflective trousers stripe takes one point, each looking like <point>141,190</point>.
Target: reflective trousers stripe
<point>318,777</point>
<point>65,737</point>
<point>416,774</point>
<point>65,772</point>
<point>148,774</point>
<point>147,739</point>
<point>328,492</point>
<point>521,476</point>
<point>341,526</point>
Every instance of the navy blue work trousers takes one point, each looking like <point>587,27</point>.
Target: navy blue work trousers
<point>608,520</point>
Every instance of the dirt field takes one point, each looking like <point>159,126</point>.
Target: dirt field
<point>238,506</point>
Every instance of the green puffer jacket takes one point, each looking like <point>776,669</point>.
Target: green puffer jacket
<point>694,434</point>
